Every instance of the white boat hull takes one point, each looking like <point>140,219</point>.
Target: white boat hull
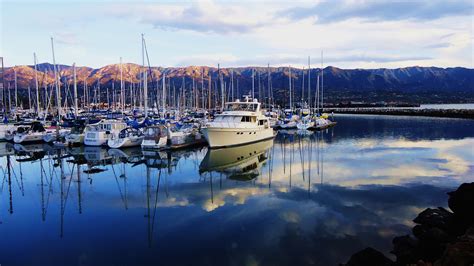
<point>97,138</point>
<point>72,139</point>
<point>125,142</point>
<point>4,129</point>
<point>305,125</point>
<point>289,125</point>
<point>153,144</point>
<point>227,137</point>
<point>30,137</point>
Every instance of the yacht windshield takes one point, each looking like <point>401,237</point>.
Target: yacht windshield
<point>252,107</point>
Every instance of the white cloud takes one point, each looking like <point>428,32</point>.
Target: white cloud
<point>200,16</point>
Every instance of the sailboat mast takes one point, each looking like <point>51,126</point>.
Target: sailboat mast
<point>164,95</point>
<point>253,84</point>
<point>37,86</point>
<point>302,87</point>
<point>75,90</point>
<point>289,81</point>
<point>16,89</point>
<point>202,89</point>
<point>145,79</point>
<point>268,79</point>
<point>56,82</point>
<point>222,92</point>
<point>232,83</point>
<point>122,99</point>
<point>209,92</point>
<point>322,83</point>
<point>309,84</point>
<point>29,97</point>
<point>317,96</point>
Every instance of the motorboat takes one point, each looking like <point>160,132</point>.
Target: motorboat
<point>156,137</point>
<point>239,123</point>
<point>127,137</point>
<point>98,134</point>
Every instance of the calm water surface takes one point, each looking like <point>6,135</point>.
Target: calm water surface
<point>297,200</point>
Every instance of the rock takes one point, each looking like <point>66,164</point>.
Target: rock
<point>406,250</point>
<point>431,234</point>
<point>369,257</point>
<point>439,217</point>
<point>461,252</point>
<point>461,202</point>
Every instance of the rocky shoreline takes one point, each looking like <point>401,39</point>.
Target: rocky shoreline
<point>440,237</point>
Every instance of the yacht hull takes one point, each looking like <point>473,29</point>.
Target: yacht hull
<point>228,137</point>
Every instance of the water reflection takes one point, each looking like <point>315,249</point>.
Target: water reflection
<point>241,163</point>
<point>295,200</point>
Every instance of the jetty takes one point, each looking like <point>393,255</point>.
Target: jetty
<point>451,113</point>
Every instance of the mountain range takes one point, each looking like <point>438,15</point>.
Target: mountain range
<point>401,84</point>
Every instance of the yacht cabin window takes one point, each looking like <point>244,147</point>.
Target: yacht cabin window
<point>247,119</point>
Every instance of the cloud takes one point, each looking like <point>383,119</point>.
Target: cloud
<point>296,60</point>
<point>66,37</point>
<point>329,11</point>
<point>201,16</point>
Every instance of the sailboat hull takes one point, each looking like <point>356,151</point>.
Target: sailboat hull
<point>125,142</point>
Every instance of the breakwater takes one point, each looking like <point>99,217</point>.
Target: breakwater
<point>452,113</point>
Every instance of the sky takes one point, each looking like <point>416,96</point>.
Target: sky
<point>351,34</point>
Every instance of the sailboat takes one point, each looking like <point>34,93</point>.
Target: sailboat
<point>75,135</point>
<point>131,137</point>
<point>127,137</point>
<point>321,121</point>
<point>33,134</point>
<point>156,137</point>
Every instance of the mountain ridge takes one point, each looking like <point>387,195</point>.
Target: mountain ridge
<point>338,82</point>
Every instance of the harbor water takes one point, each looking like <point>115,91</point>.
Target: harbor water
<point>304,198</point>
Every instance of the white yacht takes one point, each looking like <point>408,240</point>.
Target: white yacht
<point>155,137</point>
<point>127,137</point>
<point>240,123</point>
<point>98,134</point>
